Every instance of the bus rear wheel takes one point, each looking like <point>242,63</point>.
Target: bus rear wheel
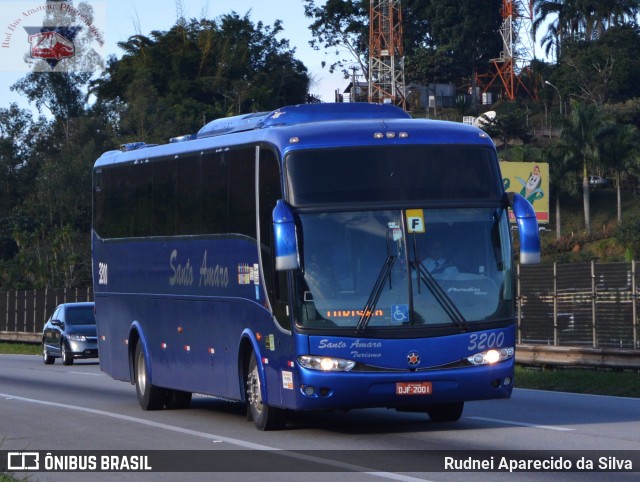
<point>264,417</point>
<point>150,397</point>
<point>445,412</point>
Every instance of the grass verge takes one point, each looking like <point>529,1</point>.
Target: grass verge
<point>20,349</point>
<point>580,380</point>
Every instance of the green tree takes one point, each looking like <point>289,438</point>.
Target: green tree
<point>18,132</point>
<point>508,127</point>
<point>605,70</point>
<point>444,40</point>
<point>54,257</point>
<point>564,23</point>
<point>619,148</point>
<point>581,134</point>
<point>61,94</point>
<point>465,32</point>
<point>628,234</point>
<point>341,27</point>
<point>562,169</point>
<point>579,20</point>
<point>168,83</point>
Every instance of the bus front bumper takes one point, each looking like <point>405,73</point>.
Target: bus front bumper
<point>347,390</point>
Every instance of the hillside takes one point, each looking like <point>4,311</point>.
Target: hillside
<point>574,245</point>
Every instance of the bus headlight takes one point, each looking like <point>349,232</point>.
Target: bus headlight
<point>490,357</point>
<point>325,364</point>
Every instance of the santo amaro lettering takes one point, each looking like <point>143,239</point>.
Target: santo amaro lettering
<point>325,343</point>
<point>208,276</point>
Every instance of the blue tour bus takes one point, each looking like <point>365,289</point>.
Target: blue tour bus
<point>284,260</point>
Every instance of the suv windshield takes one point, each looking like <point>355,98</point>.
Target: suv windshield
<point>397,268</point>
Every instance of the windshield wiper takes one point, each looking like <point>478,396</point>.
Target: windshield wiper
<point>439,294</point>
<point>367,312</point>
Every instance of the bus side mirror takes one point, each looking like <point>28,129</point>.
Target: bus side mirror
<point>286,242</point>
<point>527,228</point>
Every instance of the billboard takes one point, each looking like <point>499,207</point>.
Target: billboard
<point>531,180</point>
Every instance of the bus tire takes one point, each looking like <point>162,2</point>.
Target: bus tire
<point>150,397</point>
<point>445,412</point>
<point>264,417</point>
<point>177,399</point>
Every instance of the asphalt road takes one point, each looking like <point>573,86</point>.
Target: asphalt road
<point>79,409</point>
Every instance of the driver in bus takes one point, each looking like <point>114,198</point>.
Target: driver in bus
<point>437,261</point>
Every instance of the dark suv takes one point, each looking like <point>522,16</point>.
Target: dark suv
<point>70,333</point>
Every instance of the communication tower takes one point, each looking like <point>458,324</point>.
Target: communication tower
<point>386,53</point>
<point>517,47</point>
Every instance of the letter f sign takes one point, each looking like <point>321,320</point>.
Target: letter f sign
<point>415,221</point>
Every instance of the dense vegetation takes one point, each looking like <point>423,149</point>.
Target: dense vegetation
<point>169,83</point>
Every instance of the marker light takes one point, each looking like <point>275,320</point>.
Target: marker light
<point>325,364</point>
<point>490,357</point>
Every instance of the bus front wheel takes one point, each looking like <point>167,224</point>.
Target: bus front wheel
<point>445,412</point>
<point>264,417</point>
<point>150,397</point>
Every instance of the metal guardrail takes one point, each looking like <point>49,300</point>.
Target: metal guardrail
<point>20,337</point>
<point>573,356</point>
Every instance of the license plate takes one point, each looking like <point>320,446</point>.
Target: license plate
<point>413,388</point>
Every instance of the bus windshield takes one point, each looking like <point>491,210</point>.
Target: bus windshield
<point>405,268</point>
<point>392,174</point>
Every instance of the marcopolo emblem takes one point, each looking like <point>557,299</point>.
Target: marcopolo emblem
<point>413,359</point>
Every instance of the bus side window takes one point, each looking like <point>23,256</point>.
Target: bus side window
<point>215,187</point>
<point>270,190</point>
<point>188,195</point>
<point>242,204</point>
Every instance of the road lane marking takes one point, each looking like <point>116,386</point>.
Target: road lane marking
<point>522,424</point>
<point>218,438</point>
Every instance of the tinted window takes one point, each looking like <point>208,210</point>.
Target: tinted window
<point>209,193</point>
<point>81,315</point>
<point>270,191</point>
<point>392,174</point>
<point>242,188</point>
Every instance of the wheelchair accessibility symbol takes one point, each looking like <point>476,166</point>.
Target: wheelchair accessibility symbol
<point>399,313</point>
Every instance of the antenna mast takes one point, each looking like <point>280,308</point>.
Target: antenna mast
<point>517,46</point>
<point>386,53</point>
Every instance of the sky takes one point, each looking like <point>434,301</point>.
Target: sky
<point>117,20</point>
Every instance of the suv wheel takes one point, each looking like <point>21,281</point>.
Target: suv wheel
<point>67,358</point>
<point>46,358</point>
